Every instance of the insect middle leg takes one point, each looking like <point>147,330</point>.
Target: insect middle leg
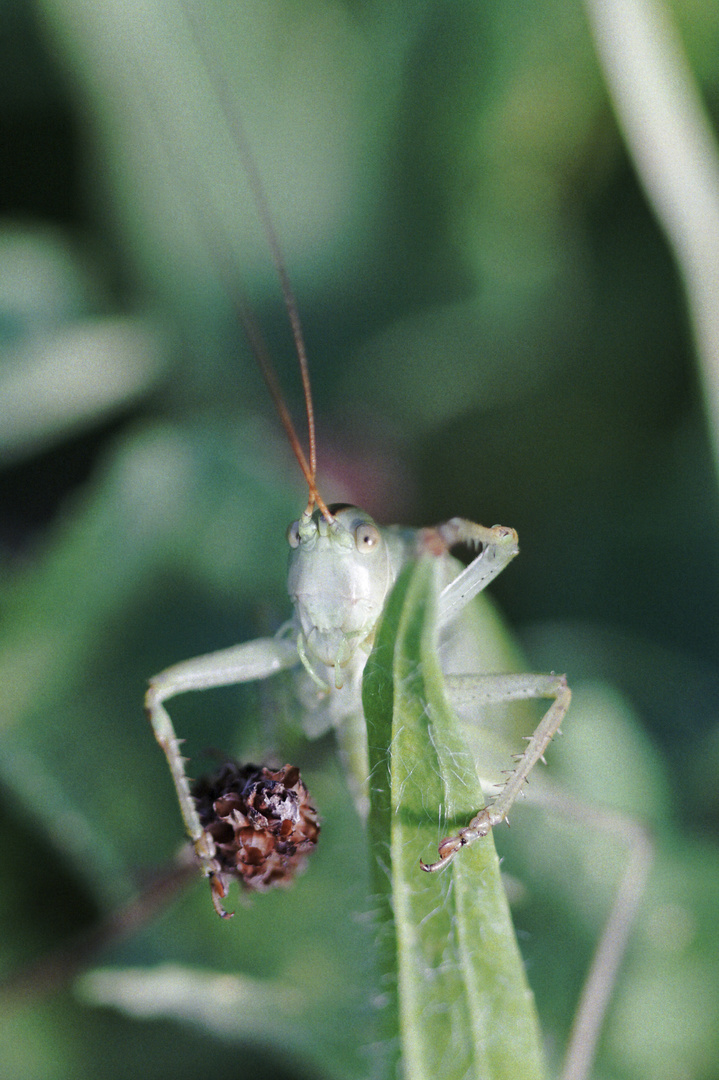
<point>473,691</point>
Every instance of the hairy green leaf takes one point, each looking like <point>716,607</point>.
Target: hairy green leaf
<point>455,998</point>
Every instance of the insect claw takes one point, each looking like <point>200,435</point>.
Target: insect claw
<point>431,867</point>
<point>448,848</point>
<point>218,891</point>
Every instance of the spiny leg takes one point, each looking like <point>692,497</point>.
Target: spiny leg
<point>241,663</point>
<point>474,690</point>
<point>611,947</point>
<point>499,545</point>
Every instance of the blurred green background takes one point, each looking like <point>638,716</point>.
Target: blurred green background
<point>496,330</point>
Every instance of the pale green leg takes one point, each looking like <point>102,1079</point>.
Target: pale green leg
<point>469,691</point>
<point>242,663</point>
<point>473,691</point>
<point>351,733</point>
<point>499,546</point>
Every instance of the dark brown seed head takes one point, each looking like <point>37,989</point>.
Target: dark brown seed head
<point>261,822</point>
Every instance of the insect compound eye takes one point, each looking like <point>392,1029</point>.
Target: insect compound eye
<point>293,534</point>
<point>366,537</point>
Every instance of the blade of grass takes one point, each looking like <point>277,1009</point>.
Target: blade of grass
<point>669,136</point>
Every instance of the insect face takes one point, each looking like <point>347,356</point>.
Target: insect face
<point>339,576</point>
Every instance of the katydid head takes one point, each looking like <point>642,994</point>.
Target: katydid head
<point>339,576</point>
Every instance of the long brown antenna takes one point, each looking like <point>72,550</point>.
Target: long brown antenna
<point>262,356</point>
<point>257,189</point>
<point>216,243</point>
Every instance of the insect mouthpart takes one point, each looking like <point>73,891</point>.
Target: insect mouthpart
<point>312,526</point>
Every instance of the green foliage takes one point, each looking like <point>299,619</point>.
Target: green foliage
<point>496,330</point>
<point>457,1003</point>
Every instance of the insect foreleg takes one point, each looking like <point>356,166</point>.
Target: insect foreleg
<point>242,663</point>
<point>474,690</point>
<point>499,546</point>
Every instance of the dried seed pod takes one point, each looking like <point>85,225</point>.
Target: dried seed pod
<point>261,822</point>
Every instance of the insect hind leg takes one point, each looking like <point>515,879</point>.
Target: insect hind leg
<point>611,948</point>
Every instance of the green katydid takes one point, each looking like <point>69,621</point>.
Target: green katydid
<point>343,568</point>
